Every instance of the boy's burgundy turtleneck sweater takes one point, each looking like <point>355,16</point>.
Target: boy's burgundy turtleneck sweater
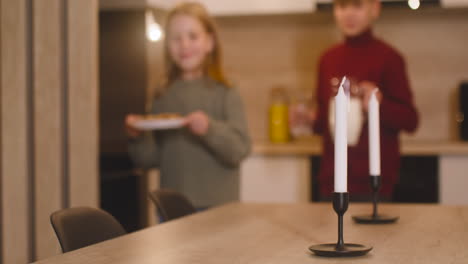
<point>365,58</point>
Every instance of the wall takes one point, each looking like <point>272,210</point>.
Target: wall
<point>131,68</point>
<point>123,70</point>
<point>48,131</point>
<point>262,52</point>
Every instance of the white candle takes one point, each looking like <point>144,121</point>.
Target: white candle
<point>374,135</point>
<point>341,141</point>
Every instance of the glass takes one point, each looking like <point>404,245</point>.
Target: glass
<point>278,116</point>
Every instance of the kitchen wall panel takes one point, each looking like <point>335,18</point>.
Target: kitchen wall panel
<point>262,52</point>
<point>48,77</point>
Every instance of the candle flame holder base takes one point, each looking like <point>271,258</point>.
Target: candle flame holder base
<point>340,249</point>
<point>375,218</point>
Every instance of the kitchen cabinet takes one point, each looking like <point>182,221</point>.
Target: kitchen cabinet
<point>443,3</point>
<point>224,8</point>
<point>454,3</point>
<point>282,172</point>
<point>276,179</point>
<point>453,179</point>
<point>258,7</point>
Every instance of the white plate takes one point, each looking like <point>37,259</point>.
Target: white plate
<point>159,124</point>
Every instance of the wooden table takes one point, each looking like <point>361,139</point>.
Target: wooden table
<point>281,233</point>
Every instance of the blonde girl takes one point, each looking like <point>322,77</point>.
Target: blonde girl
<point>202,159</point>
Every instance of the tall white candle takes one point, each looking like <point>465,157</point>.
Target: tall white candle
<point>341,141</point>
<point>374,135</point>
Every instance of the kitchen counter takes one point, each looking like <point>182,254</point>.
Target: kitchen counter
<point>313,146</point>
<point>283,170</point>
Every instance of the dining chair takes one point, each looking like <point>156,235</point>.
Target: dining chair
<point>83,226</point>
<point>171,204</point>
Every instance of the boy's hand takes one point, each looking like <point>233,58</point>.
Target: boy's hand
<point>198,123</point>
<point>366,89</point>
<point>132,132</point>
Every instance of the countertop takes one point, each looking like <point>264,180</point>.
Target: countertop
<point>313,146</point>
<point>281,233</point>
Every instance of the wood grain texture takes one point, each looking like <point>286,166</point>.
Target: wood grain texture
<point>83,102</point>
<point>15,225</point>
<point>47,122</point>
<point>264,52</point>
<point>274,233</point>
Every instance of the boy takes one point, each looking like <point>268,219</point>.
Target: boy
<point>369,63</point>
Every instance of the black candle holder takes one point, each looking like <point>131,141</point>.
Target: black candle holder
<point>375,217</point>
<point>340,249</point>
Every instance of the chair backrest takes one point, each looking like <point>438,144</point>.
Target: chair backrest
<point>83,226</point>
<point>171,204</point>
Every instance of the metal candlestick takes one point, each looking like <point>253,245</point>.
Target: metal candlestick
<point>340,249</point>
<point>375,218</point>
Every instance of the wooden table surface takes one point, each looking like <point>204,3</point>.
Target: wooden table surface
<point>281,233</point>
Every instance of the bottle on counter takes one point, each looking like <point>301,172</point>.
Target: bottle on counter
<point>278,116</point>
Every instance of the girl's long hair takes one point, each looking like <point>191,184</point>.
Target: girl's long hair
<point>213,62</point>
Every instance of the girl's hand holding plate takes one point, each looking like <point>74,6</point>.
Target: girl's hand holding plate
<point>198,123</point>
